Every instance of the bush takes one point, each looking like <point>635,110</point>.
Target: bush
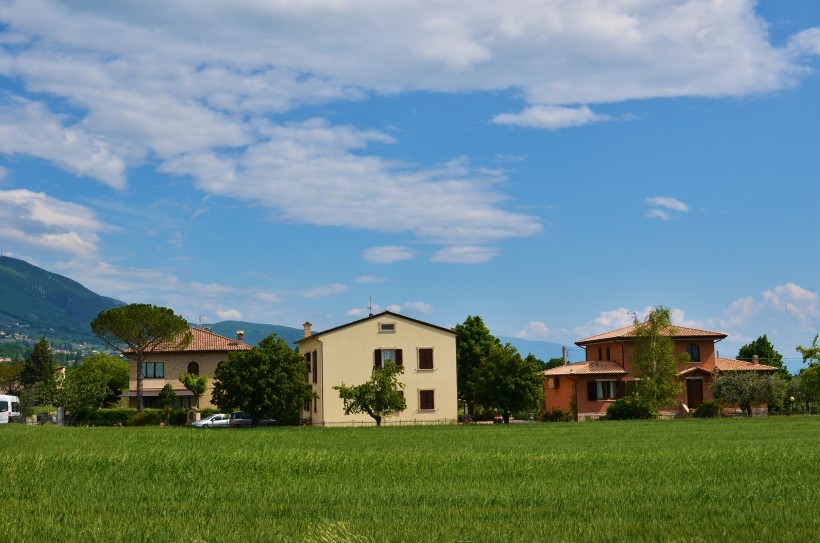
<point>557,415</point>
<point>630,408</point>
<point>105,417</point>
<point>707,410</point>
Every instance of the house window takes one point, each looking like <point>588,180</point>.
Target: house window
<point>694,352</point>
<point>425,359</point>
<point>607,353</point>
<point>154,370</point>
<point>315,373</point>
<point>315,405</point>
<point>427,400</point>
<point>306,407</point>
<point>193,367</point>
<point>605,390</point>
<point>380,356</point>
<point>600,354</point>
<point>387,327</point>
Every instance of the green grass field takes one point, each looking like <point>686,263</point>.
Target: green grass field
<point>660,481</point>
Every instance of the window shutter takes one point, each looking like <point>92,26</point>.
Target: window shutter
<point>315,362</point>
<point>398,357</point>
<point>377,358</point>
<point>592,391</point>
<point>556,381</point>
<point>620,389</point>
<point>425,359</point>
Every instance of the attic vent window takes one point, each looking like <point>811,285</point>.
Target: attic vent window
<point>387,327</point>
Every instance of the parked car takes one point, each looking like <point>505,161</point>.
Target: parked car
<point>240,418</point>
<point>218,420</point>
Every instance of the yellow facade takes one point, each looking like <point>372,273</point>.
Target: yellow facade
<point>347,354</point>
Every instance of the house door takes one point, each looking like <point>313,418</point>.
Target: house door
<point>694,393</point>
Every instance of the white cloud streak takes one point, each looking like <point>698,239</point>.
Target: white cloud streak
<point>551,117</point>
<point>388,254</point>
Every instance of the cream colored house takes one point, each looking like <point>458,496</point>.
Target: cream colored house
<point>167,365</point>
<point>347,354</point>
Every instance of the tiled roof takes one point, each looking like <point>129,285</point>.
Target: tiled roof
<point>314,335</point>
<point>628,333</point>
<point>205,340</point>
<point>729,364</point>
<point>694,369</point>
<point>587,368</point>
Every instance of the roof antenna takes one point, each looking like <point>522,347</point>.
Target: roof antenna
<point>370,306</point>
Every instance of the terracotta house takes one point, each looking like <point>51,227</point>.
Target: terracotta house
<point>606,373</point>
<point>349,352</point>
<point>167,365</point>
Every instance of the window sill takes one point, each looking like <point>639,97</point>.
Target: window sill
<point>425,370</point>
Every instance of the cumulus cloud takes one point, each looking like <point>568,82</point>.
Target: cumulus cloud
<point>465,254</point>
<point>388,254</point>
<point>225,314</point>
<point>418,307</point>
<point>370,279</point>
<point>534,330</point>
<point>33,218</point>
<point>551,117</point>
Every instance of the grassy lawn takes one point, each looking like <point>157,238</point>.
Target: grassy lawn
<point>661,481</point>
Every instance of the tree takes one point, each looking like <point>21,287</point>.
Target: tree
<point>654,361</point>
<point>167,396</point>
<point>380,397</point>
<point>506,382</point>
<point>107,369</point>
<point>10,382</point>
<point>81,389</point>
<point>767,354</point>
<point>805,388</point>
<point>472,346</point>
<point>269,380</point>
<point>39,365</point>
<point>810,354</point>
<point>197,384</point>
<point>747,387</point>
<point>137,330</point>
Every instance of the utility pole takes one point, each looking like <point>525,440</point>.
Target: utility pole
<point>564,354</point>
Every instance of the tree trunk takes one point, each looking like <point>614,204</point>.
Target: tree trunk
<point>378,420</point>
<point>506,417</point>
<point>139,383</point>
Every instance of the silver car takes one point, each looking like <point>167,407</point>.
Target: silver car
<point>218,420</point>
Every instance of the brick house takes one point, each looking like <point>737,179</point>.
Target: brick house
<point>167,365</point>
<point>349,352</point>
<point>606,372</point>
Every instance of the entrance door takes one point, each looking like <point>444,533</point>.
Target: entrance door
<point>694,393</point>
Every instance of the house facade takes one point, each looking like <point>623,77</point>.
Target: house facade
<point>167,364</point>
<point>606,373</point>
<point>348,353</point>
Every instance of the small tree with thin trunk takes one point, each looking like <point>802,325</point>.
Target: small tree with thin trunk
<point>654,361</point>
<point>137,330</point>
<point>380,397</point>
<point>196,384</point>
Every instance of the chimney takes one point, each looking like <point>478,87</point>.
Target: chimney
<point>307,326</point>
<point>755,360</point>
<point>240,337</point>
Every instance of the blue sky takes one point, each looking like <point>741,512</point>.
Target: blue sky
<point>557,167</point>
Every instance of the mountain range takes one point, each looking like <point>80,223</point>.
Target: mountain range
<point>38,303</point>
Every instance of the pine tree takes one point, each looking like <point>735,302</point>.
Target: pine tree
<point>39,365</point>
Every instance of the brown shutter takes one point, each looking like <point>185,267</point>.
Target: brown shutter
<point>425,359</point>
<point>555,382</point>
<point>620,389</point>
<point>377,358</point>
<point>592,391</point>
<point>398,357</point>
<point>315,363</point>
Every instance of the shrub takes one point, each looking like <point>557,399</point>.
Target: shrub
<point>707,410</point>
<point>105,417</point>
<point>557,415</point>
<point>630,408</point>
<point>149,417</point>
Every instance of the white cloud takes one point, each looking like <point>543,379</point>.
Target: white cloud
<point>394,308</point>
<point>267,297</point>
<point>551,117</point>
<point>534,330</point>
<point>228,314</point>
<point>370,279</point>
<point>27,128</point>
<point>418,307</point>
<point>324,291</point>
<point>806,42</point>
<point>465,254</point>
<point>670,204</point>
<point>793,300</point>
<point>388,254</point>
<point>34,218</point>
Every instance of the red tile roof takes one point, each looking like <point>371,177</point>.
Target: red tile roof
<point>597,367</point>
<point>628,333</point>
<point>729,364</point>
<point>205,340</point>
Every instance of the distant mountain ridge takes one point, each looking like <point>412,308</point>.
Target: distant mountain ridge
<point>46,302</point>
<point>254,332</point>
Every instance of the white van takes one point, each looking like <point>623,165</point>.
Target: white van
<point>9,408</point>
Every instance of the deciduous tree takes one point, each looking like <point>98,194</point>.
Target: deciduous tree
<point>266,381</point>
<point>654,361</point>
<point>197,384</point>
<point>766,353</point>
<point>745,388</point>
<point>506,382</point>
<point>380,397</point>
<point>811,354</point>
<point>473,344</point>
<point>137,330</point>
<point>110,370</point>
